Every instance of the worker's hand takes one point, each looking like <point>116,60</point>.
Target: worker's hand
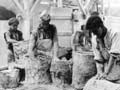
<point>98,76</point>
<point>103,76</point>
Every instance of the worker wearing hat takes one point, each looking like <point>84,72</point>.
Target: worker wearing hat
<point>13,35</point>
<point>43,46</point>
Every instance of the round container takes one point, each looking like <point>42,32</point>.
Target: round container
<point>84,68</point>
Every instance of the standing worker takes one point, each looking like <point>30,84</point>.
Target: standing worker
<point>13,35</point>
<point>43,47</point>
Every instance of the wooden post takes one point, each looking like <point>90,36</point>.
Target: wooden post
<point>59,3</point>
<point>109,6</point>
<point>18,5</point>
<point>35,4</point>
<point>81,7</point>
<point>26,22</point>
<point>27,10</point>
<point>54,1</point>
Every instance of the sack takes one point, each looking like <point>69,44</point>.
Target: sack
<point>20,50</point>
<point>94,84</point>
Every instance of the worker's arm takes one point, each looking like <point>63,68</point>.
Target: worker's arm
<point>8,39</point>
<point>100,67</point>
<point>110,64</point>
<point>75,40</point>
<point>97,56</point>
<point>21,36</point>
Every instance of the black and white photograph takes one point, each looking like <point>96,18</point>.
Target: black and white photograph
<point>59,45</point>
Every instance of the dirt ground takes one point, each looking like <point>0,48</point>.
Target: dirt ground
<point>43,87</point>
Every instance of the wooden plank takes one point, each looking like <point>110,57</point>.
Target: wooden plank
<point>65,33</point>
<point>64,41</point>
<point>63,26</point>
<point>81,7</point>
<point>60,3</point>
<point>54,1</point>
<point>61,18</point>
<point>18,5</point>
<point>34,6</point>
<point>60,12</point>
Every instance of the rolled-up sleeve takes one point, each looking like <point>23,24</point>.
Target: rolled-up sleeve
<point>115,46</point>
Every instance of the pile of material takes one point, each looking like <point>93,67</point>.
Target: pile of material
<point>37,71</point>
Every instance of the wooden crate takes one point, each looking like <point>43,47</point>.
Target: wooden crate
<point>62,18</point>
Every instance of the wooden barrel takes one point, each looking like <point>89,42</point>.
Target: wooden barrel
<point>83,68</point>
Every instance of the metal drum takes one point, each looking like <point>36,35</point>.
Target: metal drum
<point>83,68</point>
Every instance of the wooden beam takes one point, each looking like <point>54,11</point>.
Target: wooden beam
<point>65,33</point>
<point>35,4</point>
<point>26,5</point>
<point>4,68</point>
<point>87,3</point>
<point>81,7</point>
<point>60,3</point>
<point>18,5</point>
<point>54,1</point>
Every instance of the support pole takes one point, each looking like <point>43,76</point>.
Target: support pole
<point>60,4</point>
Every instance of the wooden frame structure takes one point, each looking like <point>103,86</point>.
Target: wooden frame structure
<point>27,11</point>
